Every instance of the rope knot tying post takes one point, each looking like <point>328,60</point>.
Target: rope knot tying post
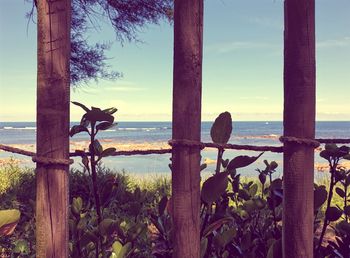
<point>302,141</point>
<point>186,143</point>
<point>51,161</point>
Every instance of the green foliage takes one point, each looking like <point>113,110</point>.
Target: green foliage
<point>124,204</point>
<point>338,215</point>
<point>244,218</point>
<point>240,217</point>
<point>8,221</point>
<point>10,174</point>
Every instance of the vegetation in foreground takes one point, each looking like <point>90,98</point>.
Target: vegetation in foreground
<point>110,216</point>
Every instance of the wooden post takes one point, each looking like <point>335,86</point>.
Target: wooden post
<point>52,127</point>
<point>187,90</point>
<point>299,121</point>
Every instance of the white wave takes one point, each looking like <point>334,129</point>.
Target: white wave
<point>19,128</point>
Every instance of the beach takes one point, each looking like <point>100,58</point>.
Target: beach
<point>129,136</point>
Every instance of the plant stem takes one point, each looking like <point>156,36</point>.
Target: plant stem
<point>205,221</point>
<point>94,175</point>
<point>262,190</point>
<point>346,200</point>
<point>329,200</point>
<point>273,204</point>
<point>218,161</point>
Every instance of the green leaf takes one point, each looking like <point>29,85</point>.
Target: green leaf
<point>320,196</point>
<point>273,165</point>
<point>97,147</point>
<point>84,121</point>
<point>8,221</point>
<point>344,227</point>
<point>340,192</point>
<point>243,194</point>
<point>224,238</point>
<point>162,205</point>
<point>214,187</point>
<point>96,115</point>
<point>117,247</point>
<point>259,202</point>
<point>242,161</point>
<point>135,231</point>
<point>125,250</point>
<point>81,105</point>
<point>235,183</point>
<point>203,166</point>
<point>249,206</point>
<point>108,226</point>
<point>85,161</point>
<point>276,184</point>
<point>108,152</point>
<point>110,111</point>
<point>253,189</point>
<point>21,247</point>
<point>333,213</point>
<point>331,147</point>
<point>77,129</point>
<point>325,154</point>
<point>225,162</point>
<point>204,245</point>
<point>216,225</point>
<point>262,178</point>
<point>77,206</point>
<point>105,125</point>
<point>221,129</point>
<point>275,250</point>
<point>347,210</point>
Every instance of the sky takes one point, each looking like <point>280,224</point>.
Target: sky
<point>242,64</point>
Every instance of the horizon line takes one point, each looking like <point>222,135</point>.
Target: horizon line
<point>169,121</point>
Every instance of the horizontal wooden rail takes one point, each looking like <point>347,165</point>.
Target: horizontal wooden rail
<point>276,149</point>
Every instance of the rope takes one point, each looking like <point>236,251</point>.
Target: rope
<point>186,143</point>
<point>51,161</point>
<point>276,149</point>
<point>17,150</point>
<point>302,141</point>
<point>42,160</point>
<point>339,141</point>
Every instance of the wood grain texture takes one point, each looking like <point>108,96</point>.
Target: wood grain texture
<point>52,127</point>
<point>187,88</point>
<point>299,121</point>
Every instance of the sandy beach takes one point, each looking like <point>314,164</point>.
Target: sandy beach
<point>128,146</point>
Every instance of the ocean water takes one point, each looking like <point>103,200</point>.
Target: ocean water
<point>252,133</point>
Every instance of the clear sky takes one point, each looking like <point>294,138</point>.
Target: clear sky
<point>242,64</point>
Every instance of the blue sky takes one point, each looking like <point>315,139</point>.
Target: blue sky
<point>242,64</point>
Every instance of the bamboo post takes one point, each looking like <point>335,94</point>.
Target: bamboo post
<point>52,127</point>
<point>187,84</point>
<point>299,121</point>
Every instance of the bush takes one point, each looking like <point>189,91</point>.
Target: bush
<point>127,202</point>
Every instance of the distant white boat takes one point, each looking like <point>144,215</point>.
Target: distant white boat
<point>266,123</point>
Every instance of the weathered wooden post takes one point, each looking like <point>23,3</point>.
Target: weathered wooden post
<point>299,122</point>
<point>52,128</point>
<point>187,84</point>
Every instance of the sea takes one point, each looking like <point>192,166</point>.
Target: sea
<point>158,133</point>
